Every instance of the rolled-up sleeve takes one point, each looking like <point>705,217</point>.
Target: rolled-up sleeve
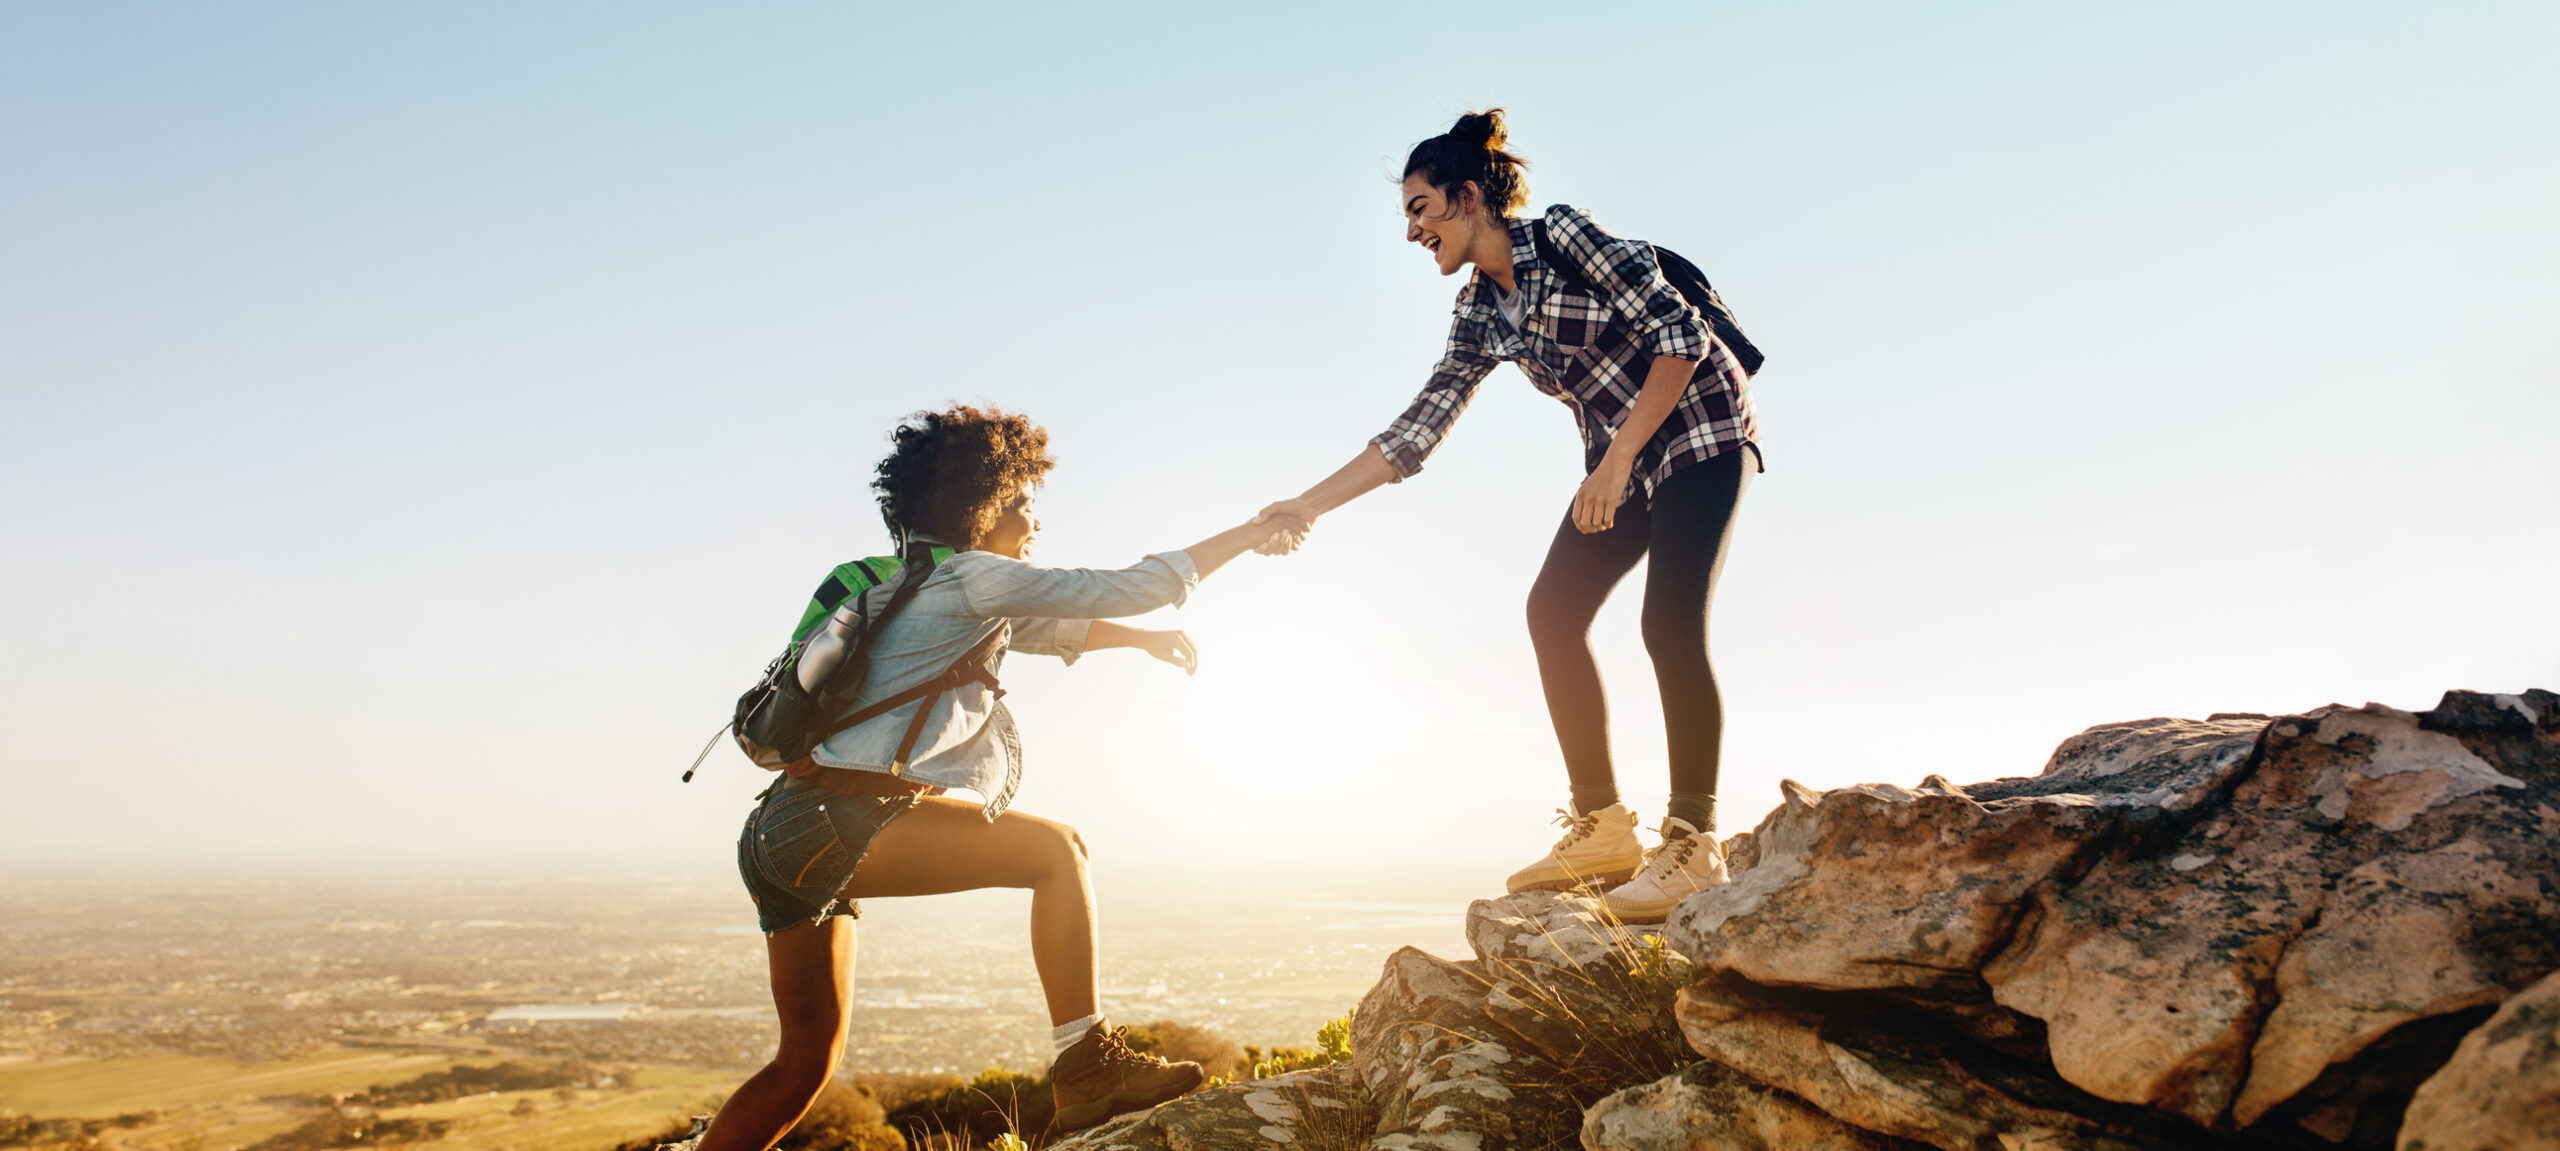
<point>1063,638</point>
<point>1425,423</point>
<point>1630,281</point>
<point>996,587</point>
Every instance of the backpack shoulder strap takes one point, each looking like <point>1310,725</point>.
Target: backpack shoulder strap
<point>972,665</point>
<point>1554,257</point>
<point>1684,278</point>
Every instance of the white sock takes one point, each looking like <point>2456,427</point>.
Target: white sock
<point>1073,1031</point>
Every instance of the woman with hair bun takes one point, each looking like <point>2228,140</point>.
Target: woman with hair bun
<point>1669,445</point>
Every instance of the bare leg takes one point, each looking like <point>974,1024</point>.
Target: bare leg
<point>812,969</point>
<point>945,845</point>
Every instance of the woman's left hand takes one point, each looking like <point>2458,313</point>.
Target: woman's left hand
<point>1595,506</point>
<point>1172,646</point>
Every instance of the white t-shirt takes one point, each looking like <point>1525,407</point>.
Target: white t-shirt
<point>1514,307</point>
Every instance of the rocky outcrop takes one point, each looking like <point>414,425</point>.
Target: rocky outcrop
<point>2245,931</point>
<point>2251,927</point>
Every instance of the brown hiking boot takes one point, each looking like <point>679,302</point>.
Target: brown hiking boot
<point>1100,1077</point>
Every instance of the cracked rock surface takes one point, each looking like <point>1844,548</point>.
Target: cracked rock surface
<point>2260,928</point>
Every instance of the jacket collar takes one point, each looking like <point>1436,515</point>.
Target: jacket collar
<point>1481,291</point>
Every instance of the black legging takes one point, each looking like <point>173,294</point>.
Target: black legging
<point>1686,531</point>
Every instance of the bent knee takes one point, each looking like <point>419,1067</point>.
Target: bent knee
<point>1068,850</point>
<point>808,1060</point>
<point>1555,617</point>
<point>1052,850</point>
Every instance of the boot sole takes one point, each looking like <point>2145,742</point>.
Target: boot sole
<point>1647,916</point>
<point>1114,1105</point>
<point>1653,914</point>
<point>1569,882</point>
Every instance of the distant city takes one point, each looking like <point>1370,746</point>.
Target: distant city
<point>632,973</point>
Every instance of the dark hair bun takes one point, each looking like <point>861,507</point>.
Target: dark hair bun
<point>1481,128</point>
<point>1473,150</point>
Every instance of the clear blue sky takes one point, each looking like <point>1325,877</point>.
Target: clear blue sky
<point>422,419</point>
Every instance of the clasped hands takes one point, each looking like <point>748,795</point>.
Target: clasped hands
<point>1291,520</point>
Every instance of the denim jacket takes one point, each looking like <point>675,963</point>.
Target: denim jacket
<point>969,739</point>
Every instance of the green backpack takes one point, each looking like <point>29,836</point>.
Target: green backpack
<point>787,713</point>
<point>850,580</point>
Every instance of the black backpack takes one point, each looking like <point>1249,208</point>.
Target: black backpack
<point>1683,275</point>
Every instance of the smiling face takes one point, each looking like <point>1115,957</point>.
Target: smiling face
<point>1449,231</point>
<point>1014,529</point>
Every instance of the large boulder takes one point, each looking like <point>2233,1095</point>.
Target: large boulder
<point>1919,887</point>
<point>2368,872</point>
<point>2501,1090</point>
<point>2243,922</point>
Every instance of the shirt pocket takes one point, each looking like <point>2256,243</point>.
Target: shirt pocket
<point>1573,321</point>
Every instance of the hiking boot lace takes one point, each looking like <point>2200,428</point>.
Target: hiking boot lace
<point>1115,1049</point>
<point>1577,827</point>
<point>1672,855</point>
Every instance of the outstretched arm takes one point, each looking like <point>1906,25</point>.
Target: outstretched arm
<point>1213,553</point>
<point>1364,474</point>
<point>1171,645</point>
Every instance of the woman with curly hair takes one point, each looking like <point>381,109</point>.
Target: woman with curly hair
<point>1669,444</point>
<point>865,814</point>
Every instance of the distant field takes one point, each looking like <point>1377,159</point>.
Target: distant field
<point>209,1104</point>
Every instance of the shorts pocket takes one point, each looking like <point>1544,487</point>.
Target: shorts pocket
<point>796,846</point>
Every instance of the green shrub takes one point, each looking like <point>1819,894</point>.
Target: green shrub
<point>1216,1054</point>
<point>845,1118</point>
<point>997,1102</point>
<point>464,1080</point>
<point>335,1129</point>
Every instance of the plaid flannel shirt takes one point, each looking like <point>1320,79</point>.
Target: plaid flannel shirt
<point>1590,352</point>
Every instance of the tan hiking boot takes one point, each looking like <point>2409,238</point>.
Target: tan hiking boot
<point>1100,1077</point>
<point>1688,862</point>
<point>1599,847</point>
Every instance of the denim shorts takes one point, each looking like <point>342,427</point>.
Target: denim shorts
<point>800,847</point>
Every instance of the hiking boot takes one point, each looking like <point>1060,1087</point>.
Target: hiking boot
<point>1599,847</point>
<point>1688,862</point>
<point>1100,1077</point>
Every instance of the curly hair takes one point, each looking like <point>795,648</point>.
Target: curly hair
<point>950,471</point>
<point>1475,148</point>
